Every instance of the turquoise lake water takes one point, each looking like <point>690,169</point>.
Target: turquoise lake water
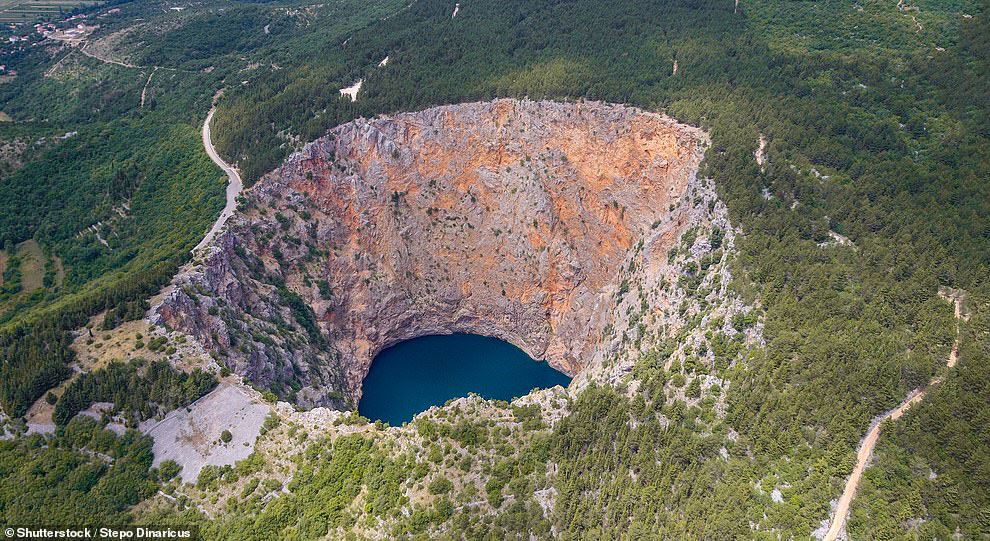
<point>411,376</point>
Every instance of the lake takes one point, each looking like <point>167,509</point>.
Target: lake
<point>411,376</point>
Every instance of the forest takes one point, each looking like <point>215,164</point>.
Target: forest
<point>137,389</point>
<point>85,475</point>
<point>876,132</point>
<point>134,172</point>
<point>932,467</point>
<point>146,188</point>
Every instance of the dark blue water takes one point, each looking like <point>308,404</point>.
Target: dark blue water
<point>411,376</point>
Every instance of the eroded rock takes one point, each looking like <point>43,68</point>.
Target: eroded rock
<point>523,220</point>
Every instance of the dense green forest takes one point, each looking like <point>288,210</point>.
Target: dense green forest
<point>85,475</point>
<point>140,180</point>
<point>934,468</point>
<point>138,390</point>
<point>875,135</point>
<point>877,130</point>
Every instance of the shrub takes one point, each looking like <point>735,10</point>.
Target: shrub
<point>694,389</point>
<point>440,485</point>
<point>168,469</point>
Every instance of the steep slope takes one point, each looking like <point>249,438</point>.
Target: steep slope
<point>516,219</point>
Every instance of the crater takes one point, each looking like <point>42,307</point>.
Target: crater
<point>544,224</point>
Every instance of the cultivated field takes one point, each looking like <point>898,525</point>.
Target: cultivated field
<point>29,11</point>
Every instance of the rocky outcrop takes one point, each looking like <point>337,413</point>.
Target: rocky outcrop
<point>522,220</point>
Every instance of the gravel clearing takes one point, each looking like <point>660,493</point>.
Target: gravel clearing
<point>191,436</point>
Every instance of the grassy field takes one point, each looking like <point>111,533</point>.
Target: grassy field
<point>33,265</point>
<point>29,11</point>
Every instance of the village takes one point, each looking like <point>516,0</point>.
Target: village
<point>72,30</point>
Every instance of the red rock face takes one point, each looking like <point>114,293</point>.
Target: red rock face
<point>513,219</point>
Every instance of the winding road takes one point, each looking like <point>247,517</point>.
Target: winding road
<point>870,441</point>
<point>234,187</point>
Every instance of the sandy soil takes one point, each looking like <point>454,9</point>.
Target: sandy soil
<point>95,349</point>
<point>760,153</point>
<point>40,413</point>
<point>115,345</point>
<point>869,442</point>
<point>89,357</point>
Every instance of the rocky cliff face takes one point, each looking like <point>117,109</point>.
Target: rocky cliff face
<point>523,220</point>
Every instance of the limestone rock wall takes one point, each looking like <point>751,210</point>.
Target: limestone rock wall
<point>517,219</point>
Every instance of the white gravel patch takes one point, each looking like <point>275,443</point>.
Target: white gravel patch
<point>191,436</point>
<point>352,91</point>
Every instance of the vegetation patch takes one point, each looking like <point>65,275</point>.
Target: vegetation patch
<point>138,390</point>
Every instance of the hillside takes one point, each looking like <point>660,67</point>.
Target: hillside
<point>732,221</point>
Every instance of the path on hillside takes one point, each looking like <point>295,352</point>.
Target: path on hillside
<point>904,8</point>
<point>870,441</point>
<point>94,56</point>
<point>51,70</point>
<point>144,91</point>
<point>106,60</point>
<point>233,187</point>
<point>235,184</point>
<point>82,49</point>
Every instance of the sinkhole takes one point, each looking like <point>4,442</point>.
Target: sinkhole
<point>553,226</point>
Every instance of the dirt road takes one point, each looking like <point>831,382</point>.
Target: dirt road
<point>106,60</point>
<point>144,91</point>
<point>870,441</point>
<point>233,187</point>
<point>83,49</point>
